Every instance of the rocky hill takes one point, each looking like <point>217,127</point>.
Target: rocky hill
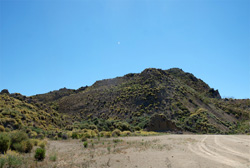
<point>185,102</point>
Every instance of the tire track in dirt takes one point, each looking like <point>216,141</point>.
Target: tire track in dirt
<point>243,140</point>
<point>203,150</point>
<point>227,149</point>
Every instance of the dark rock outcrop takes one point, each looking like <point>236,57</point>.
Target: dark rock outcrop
<point>160,123</point>
<point>214,94</point>
<point>5,91</point>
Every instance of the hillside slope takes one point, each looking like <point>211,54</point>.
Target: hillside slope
<point>19,114</point>
<point>146,100</point>
<point>180,96</point>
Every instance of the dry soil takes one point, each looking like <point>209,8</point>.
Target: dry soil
<point>170,151</point>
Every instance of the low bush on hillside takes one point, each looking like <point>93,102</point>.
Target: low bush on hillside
<point>20,142</point>
<point>4,142</point>
<point>2,129</point>
<point>74,135</point>
<point>116,132</point>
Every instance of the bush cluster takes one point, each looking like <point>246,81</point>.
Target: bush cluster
<point>20,142</point>
<point>17,141</point>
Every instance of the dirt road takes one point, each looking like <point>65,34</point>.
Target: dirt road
<point>170,151</point>
<point>230,151</point>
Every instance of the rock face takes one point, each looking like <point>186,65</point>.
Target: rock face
<point>159,123</point>
<point>4,91</point>
<point>214,94</point>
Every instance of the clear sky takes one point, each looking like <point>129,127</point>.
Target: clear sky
<point>50,44</point>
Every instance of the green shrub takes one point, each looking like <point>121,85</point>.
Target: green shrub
<point>2,162</point>
<point>109,149</point>
<point>24,146</point>
<point>117,140</point>
<point>69,127</point>
<point>92,127</point>
<point>84,130</point>
<point>59,134</point>
<point>93,134</point>
<point>137,128</point>
<point>17,137</point>
<point>28,145</point>
<point>96,131</point>
<point>126,133</point>
<point>102,134</point>
<point>108,134</point>
<point>56,137</point>
<point>19,147</point>
<point>2,129</point>
<point>13,159</point>
<point>34,142</point>
<point>64,136</point>
<point>85,144</point>
<point>7,130</point>
<point>87,135</point>
<point>32,134</point>
<point>42,145</point>
<point>74,135</point>
<point>116,132</point>
<point>84,138</point>
<point>40,136</point>
<point>53,157</point>
<point>4,142</point>
<point>40,154</point>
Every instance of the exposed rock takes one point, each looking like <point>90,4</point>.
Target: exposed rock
<point>214,94</point>
<point>160,123</point>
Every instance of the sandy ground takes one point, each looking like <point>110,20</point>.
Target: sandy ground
<point>170,151</point>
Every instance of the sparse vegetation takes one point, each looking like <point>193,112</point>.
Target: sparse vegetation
<point>53,156</point>
<point>125,106</point>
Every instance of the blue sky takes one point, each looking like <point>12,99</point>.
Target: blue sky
<point>49,44</point>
